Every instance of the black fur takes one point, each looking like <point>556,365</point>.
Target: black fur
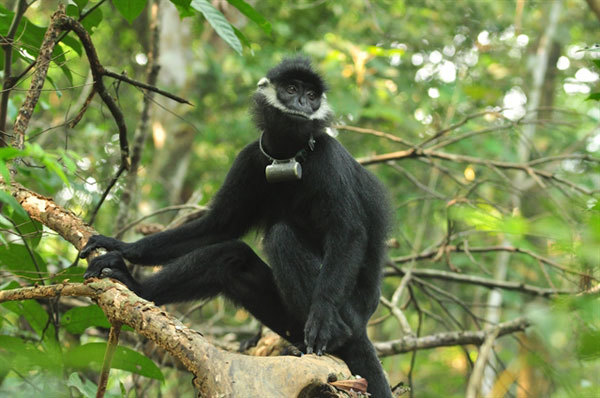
<point>323,235</point>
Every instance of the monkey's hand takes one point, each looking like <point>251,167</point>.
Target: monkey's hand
<point>112,265</point>
<point>324,329</point>
<point>101,242</point>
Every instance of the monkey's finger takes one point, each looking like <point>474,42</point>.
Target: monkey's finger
<point>322,350</point>
<point>90,246</point>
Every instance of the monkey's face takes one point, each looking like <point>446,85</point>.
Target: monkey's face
<point>295,98</point>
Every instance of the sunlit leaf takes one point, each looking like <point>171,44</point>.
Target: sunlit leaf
<point>219,23</point>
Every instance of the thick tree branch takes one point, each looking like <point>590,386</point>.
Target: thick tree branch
<point>216,372</point>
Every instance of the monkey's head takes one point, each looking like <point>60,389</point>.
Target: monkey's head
<point>292,97</point>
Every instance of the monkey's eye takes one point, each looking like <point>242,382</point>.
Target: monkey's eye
<point>311,95</point>
<point>291,89</point>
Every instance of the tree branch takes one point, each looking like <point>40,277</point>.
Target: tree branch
<point>484,249</point>
<point>39,77</point>
<point>447,339</point>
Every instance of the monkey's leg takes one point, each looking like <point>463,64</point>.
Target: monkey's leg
<point>360,356</point>
<point>232,269</point>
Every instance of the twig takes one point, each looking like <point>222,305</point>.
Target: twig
<point>483,249</point>
<point>146,86</point>
<point>84,108</point>
<point>481,281</point>
<point>111,347</point>
<point>484,353</point>
<point>457,125</point>
<point>105,193</point>
<point>376,133</point>
<point>398,314</point>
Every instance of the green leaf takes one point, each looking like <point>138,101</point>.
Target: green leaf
<point>219,23</point>
<point>9,153</point>
<point>596,62</point>
<point>594,97</point>
<point>77,319</point>
<point>80,3</point>
<point>29,229</point>
<point>35,315</point>
<point>20,355</point>
<point>243,39</point>
<point>92,20</point>
<point>12,202</point>
<point>4,172</point>
<point>184,8</point>
<point>130,9</point>
<point>92,355</point>
<point>87,388</point>
<point>252,14</point>
<point>17,259</point>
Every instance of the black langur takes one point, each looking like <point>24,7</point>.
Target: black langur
<point>324,217</point>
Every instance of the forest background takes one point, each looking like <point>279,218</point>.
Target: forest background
<point>480,117</point>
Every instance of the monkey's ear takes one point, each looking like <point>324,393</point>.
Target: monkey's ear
<point>264,82</point>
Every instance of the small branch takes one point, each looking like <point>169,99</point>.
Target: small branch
<point>111,184</point>
<point>145,86</point>
<point>111,347</point>
<point>83,109</point>
<point>376,133</point>
<point>457,125</point>
<point>399,315</point>
<point>487,282</point>
<point>451,248</point>
<point>477,374</point>
<point>447,339</point>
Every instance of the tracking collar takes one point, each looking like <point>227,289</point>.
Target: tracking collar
<point>286,169</point>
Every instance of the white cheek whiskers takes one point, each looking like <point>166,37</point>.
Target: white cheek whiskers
<point>268,91</point>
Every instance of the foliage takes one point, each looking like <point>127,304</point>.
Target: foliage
<point>452,80</point>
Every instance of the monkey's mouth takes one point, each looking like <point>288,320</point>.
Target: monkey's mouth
<point>299,115</point>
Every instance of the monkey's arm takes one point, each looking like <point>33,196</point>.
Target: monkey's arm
<point>344,251</point>
<point>233,211</point>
